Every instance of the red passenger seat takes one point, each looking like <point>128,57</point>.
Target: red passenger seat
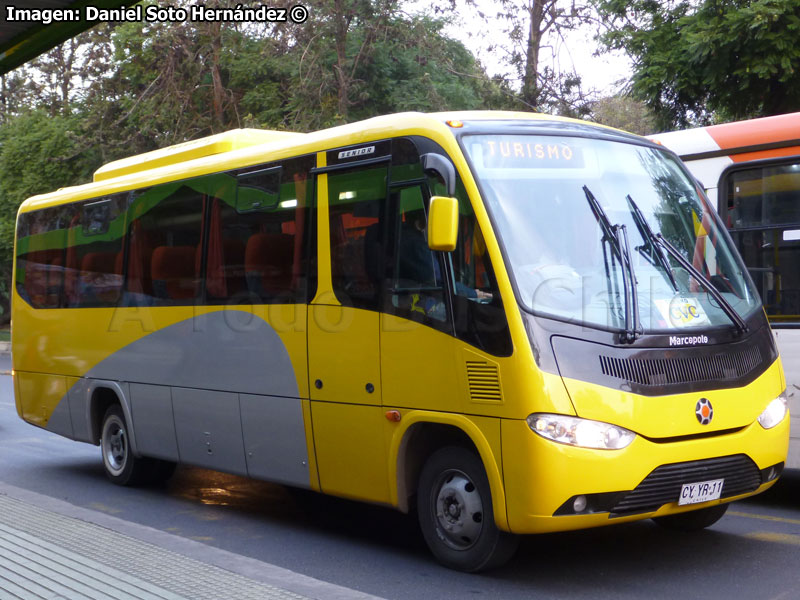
<point>99,281</point>
<point>173,272</point>
<point>99,262</point>
<point>39,268</point>
<point>55,276</point>
<point>268,264</point>
<point>118,263</point>
<point>225,273</point>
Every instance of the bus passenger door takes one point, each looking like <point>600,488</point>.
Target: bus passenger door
<point>343,335</point>
<point>418,350</point>
<point>443,318</point>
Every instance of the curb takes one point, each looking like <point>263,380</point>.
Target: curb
<point>285,583</point>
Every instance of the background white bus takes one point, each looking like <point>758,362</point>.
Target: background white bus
<point>751,171</point>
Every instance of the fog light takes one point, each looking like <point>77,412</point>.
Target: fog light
<point>579,505</point>
<point>771,473</point>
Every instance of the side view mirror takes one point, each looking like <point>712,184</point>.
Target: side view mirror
<point>443,224</point>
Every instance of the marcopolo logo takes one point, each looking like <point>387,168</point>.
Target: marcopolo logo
<point>687,340</point>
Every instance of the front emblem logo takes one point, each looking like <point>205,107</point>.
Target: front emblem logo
<point>704,411</point>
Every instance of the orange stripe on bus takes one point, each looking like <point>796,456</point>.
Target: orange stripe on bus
<point>775,153</point>
<point>756,131</point>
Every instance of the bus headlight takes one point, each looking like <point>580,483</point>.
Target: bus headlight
<point>580,432</point>
<point>775,412</point>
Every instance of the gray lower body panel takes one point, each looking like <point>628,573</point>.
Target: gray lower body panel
<point>203,393</point>
<point>275,439</point>
<point>151,406</point>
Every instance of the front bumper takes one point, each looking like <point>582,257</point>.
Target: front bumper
<point>542,477</point>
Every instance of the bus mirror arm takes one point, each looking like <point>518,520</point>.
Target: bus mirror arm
<point>439,165</point>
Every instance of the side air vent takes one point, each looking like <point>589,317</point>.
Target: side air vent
<point>715,367</point>
<point>484,382</point>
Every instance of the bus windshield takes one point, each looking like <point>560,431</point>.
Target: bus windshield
<point>564,251</point>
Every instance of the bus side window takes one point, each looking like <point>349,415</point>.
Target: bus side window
<point>41,240</point>
<point>763,216</point>
<point>72,255</point>
<point>478,312</point>
<point>356,200</point>
<point>93,275</point>
<point>256,252</point>
<point>164,249</point>
<point>417,274</point>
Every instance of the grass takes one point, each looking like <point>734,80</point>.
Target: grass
<point>5,334</point>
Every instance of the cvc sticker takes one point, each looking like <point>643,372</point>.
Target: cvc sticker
<point>682,311</point>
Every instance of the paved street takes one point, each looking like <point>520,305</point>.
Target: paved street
<point>752,553</point>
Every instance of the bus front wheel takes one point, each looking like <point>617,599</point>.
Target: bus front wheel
<point>454,505</point>
<point>121,466</point>
<point>694,520</point>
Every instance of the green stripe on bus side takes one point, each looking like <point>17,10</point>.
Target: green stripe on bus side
<point>219,185</point>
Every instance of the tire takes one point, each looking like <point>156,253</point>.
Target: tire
<point>159,471</point>
<point>694,520</point>
<point>454,506</point>
<point>121,466</point>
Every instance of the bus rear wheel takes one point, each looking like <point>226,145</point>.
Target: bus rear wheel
<point>121,466</point>
<point>454,505</point>
<point>694,520</point>
<point>160,471</point>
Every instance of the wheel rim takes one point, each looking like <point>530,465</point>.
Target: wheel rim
<point>115,445</point>
<point>458,510</point>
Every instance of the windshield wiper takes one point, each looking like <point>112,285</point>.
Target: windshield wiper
<point>715,293</point>
<point>652,249</point>
<point>602,219</point>
<point>617,237</point>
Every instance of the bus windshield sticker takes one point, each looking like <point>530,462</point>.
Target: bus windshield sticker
<point>682,311</point>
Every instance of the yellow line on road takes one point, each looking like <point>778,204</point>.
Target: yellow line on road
<point>749,515</point>
<point>771,536</point>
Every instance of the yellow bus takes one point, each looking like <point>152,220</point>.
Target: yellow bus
<point>514,323</point>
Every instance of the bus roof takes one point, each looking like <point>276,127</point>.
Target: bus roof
<point>740,137</point>
<point>207,146</point>
<point>243,147</point>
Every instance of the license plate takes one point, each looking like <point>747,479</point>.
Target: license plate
<point>702,491</point>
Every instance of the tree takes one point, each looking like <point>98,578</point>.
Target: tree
<point>624,112</point>
<point>530,25</point>
<point>17,92</point>
<point>415,67</point>
<point>119,91</point>
<point>699,60</point>
<point>166,85</point>
<point>39,153</point>
<point>398,63</point>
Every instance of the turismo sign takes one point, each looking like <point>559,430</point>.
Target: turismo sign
<point>525,152</point>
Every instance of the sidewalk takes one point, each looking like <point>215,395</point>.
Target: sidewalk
<point>53,550</point>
